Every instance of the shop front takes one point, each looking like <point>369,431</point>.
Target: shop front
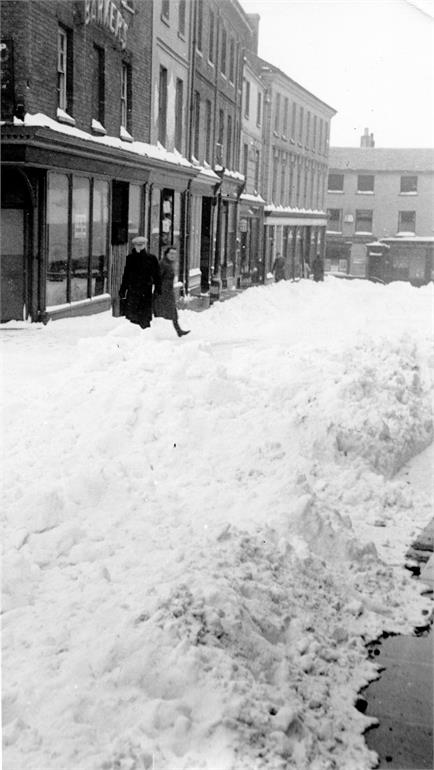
<point>167,203</point>
<point>297,235</point>
<point>65,203</point>
<point>70,208</point>
<point>227,251</point>
<point>251,227</point>
<point>201,231</point>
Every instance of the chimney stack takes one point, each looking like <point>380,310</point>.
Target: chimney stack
<point>254,23</point>
<point>367,140</point>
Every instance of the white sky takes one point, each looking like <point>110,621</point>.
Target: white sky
<point>372,60</point>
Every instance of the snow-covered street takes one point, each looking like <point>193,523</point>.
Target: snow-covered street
<point>202,534</point>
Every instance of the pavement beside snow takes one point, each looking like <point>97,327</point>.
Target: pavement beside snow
<point>202,534</point>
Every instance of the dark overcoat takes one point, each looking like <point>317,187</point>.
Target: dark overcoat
<point>318,269</point>
<point>141,276</point>
<point>165,303</point>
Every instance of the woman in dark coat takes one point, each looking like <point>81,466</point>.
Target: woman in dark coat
<point>165,303</point>
<point>141,279</point>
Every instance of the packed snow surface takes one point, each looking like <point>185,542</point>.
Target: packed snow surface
<point>201,535</point>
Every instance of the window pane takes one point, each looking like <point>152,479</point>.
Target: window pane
<point>57,227</point>
<point>80,238</point>
<point>364,221</point>
<point>409,184</point>
<point>365,183</point>
<point>407,221</point>
<point>336,182</point>
<point>134,206</point>
<point>99,237</point>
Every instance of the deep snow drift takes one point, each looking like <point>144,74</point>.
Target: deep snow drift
<point>202,534</point>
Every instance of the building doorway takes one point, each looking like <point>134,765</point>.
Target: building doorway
<point>16,207</point>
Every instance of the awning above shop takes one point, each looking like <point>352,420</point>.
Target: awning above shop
<point>45,147</point>
<point>39,146</point>
<point>295,218</point>
<point>232,183</point>
<point>205,182</point>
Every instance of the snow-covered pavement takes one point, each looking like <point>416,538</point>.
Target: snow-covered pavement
<point>201,534</point>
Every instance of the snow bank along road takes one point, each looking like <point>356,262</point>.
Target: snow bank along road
<point>201,535</point>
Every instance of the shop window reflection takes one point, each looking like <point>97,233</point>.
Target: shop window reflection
<point>80,238</point>
<point>99,238</point>
<point>57,227</point>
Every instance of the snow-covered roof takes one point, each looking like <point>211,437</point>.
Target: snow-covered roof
<point>271,208</point>
<point>381,159</point>
<point>156,152</point>
<point>249,198</point>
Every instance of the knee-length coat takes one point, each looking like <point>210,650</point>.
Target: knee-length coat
<point>165,303</point>
<point>141,277</point>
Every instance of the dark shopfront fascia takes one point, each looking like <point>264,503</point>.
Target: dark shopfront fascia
<point>298,238</point>
<point>63,216</point>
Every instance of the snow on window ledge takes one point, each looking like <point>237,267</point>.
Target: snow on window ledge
<point>97,127</point>
<point>408,192</point>
<point>78,303</point>
<point>125,135</point>
<point>365,192</point>
<point>63,117</point>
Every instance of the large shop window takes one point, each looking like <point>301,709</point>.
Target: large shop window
<point>57,226</point>
<point>77,225</point>
<point>80,238</point>
<point>100,218</point>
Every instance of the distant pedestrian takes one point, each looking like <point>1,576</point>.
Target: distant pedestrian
<point>165,303</point>
<point>318,269</point>
<point>140,280</point>
<point>306,269</point>
<point>279,268</point>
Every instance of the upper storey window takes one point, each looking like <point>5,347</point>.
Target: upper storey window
<point>409,184</point>
<point>64,70</point>
<point>336,183</point>
<point>365,183</point>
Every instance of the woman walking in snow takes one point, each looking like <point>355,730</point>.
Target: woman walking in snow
<point>165,303</point>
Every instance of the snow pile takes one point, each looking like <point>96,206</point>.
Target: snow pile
<point>201,535</point>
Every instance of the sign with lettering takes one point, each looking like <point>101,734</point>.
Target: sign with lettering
<point>106,14</point>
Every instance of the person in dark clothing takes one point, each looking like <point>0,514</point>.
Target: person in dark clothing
<point>165,303</point>
<point>318,269</point>
<point>279,268</point>
<point>141,279</point>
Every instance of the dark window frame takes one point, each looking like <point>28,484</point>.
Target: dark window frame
<point>65,96</point>
<point>196,143</point>
<point>364,183</point>
<point>405,215</point>
<point>337,188</point>
<point>181,18</point>
<point>162,106</point>
<point>364,215</point>
<point>409,181</point>
<point>331,219</point>
<point>99,75</point>
<point>179,113</point>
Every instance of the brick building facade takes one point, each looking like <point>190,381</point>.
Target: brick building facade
<point>378,193</point>
<point>77,163</point>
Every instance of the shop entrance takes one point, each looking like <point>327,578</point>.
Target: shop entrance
<point>15,217</point>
